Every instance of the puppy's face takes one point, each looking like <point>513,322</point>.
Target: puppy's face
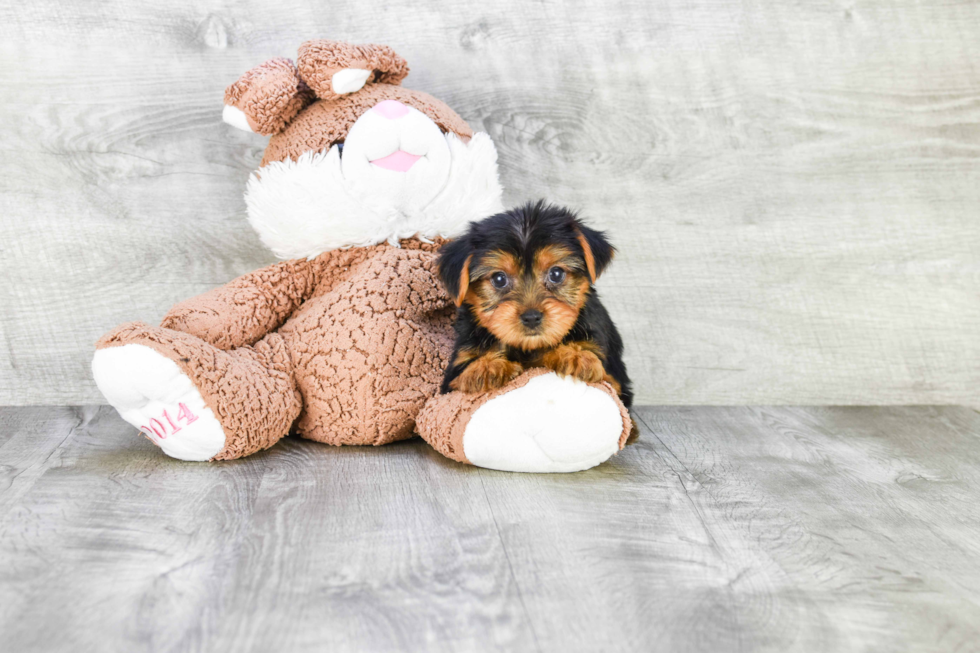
<point>528,302</point>
<point>525,274</point>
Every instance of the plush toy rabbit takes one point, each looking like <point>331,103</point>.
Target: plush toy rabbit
<point>346,341</point>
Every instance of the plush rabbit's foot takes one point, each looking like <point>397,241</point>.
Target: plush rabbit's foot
<point>151,392</point>
<point>539,422</point>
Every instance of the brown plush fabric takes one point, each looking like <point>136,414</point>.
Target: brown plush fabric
<point>270,95</point>
<point>369,352</point>
<point>244,310</point>
<point>320,59</point>
<point>326,122</point>
<point>277,98</point>
<point>347,347</point>
<point>251,390</point>
<point>443,421</point>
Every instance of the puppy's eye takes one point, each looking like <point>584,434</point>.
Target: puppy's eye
<point>499,280</point>
<point>556,275</point>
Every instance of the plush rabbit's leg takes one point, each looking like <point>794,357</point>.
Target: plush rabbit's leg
<point>193,400</point>
<point>539,422</point>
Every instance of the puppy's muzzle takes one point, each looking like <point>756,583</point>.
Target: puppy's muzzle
<point>531,318</point>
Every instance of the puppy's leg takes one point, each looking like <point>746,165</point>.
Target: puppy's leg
<point>613,382</point>
<point>634,432</point>
<point>577,359</point>
<point>487,372</point>
<point>634,429</point>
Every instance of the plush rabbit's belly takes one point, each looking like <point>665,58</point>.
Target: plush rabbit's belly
<point>369,353</point>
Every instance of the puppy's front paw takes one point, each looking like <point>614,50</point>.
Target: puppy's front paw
<point>486,373</point>
<point>576,360</point>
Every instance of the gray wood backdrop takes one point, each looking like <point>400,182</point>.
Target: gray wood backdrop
<point>794,187</point>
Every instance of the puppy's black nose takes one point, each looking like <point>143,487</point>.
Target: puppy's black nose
<point>531,318</point>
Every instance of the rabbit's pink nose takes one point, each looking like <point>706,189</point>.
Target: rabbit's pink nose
<point>391,109</point>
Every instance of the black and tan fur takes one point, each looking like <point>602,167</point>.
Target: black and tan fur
<point>496,334</point>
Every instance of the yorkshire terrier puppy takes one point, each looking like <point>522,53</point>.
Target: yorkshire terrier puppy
<point>523,282</point>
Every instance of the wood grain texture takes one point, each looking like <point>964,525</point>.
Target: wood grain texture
<point>792,187</point>
<point>723,529</point>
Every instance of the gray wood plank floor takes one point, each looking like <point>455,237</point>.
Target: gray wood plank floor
<point>743,529</point>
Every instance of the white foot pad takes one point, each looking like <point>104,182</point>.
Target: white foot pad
<point>552,424</point>
<point>154,395</point>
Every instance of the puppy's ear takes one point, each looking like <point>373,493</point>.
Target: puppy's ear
<point>454,268</point>
<point>596,249</point>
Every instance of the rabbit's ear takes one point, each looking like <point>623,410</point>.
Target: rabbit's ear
<point>266,98</point>
<point>334,68</point>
